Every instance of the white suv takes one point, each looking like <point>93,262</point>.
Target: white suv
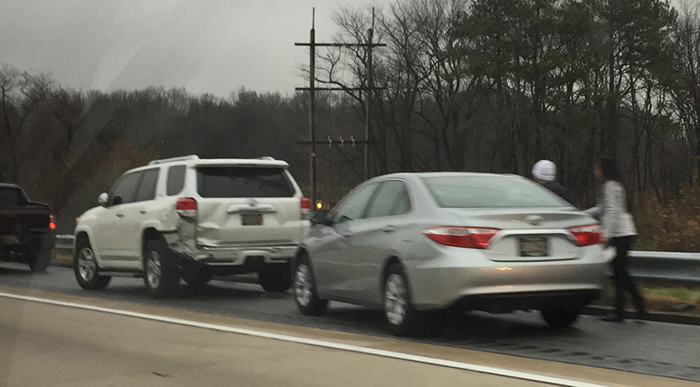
<point>194,218</point>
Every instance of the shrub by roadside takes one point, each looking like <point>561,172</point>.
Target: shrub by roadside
<point>669,226</point>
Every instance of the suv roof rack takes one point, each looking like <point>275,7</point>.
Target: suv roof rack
<point>173,159</point>
<point>265,158</point>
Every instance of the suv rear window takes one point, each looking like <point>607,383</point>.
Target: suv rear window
<point>243,182</point>
<point>11,197</point>
<point>176,180</point>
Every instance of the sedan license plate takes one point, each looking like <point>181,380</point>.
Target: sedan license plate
<point>251,219</point>
<point>534,247</point>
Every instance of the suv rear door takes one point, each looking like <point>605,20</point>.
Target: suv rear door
<point>247,205</point>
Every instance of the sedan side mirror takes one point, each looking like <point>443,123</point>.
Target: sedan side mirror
<point>103,199</point>
<point>320,217</point>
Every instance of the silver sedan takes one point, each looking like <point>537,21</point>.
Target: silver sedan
<point>416,242</point>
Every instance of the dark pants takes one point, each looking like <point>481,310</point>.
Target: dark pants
<point>623,280</point>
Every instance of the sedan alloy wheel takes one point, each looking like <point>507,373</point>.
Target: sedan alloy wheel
<point>395,299</point>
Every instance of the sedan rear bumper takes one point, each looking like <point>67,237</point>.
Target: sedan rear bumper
<point>508,302</point>
<point>468,280</point>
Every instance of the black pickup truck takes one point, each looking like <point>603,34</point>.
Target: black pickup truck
<point>26,229</point>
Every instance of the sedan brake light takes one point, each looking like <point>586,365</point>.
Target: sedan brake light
<point>586,235</point>
<point>186,207</point>
<point>468,237</point>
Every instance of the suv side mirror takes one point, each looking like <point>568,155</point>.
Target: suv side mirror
<point>103,199</point>
<point>320,217</point>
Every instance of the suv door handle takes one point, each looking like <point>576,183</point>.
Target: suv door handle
<point>389,228</point>
<point>120,215</point>
<point>142,212</point>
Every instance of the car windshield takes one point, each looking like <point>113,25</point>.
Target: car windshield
<point>489,191</point>
<point>243,182</point>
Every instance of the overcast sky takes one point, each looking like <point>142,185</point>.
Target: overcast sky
<point>206,46</point>
<point>212,46</point>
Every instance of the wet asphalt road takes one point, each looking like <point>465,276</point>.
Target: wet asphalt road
<point>662,349</point>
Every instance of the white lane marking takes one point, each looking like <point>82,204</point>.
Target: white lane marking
<point>319,343</point>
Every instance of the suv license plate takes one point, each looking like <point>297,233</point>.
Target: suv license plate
<point>534,247</point>
<point>251,219</point>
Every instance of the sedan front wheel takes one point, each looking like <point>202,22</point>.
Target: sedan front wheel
<point>305,294</point>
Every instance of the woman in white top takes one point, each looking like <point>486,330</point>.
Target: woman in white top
<point>617,227</point>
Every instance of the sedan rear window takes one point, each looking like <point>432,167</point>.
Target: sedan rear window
<point>489,191</point>
<point>243,182</point>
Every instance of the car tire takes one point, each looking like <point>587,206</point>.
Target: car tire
<point>38,262</point>
<point>402,317</point>
<point>161,272</point>
<point>85,268</point>
<point>197,277</point>
<point>560,317</point>
<point>275,278</point>
<point>305,293</point>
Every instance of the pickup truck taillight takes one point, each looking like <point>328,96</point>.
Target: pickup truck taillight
<point>52,222</point>
<point>186,207</point>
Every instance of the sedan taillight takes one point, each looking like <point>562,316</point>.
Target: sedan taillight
<point>468,237</point>
<point>586,235</point>
<point>186,207</point>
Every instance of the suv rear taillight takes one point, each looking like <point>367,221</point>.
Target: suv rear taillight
<point>586,235</point>
<point>52,222</point>
<point>469,237</point>
<point>186,207</point>
<point>305,208</point>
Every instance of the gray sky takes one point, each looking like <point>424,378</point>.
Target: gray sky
<point>213,46</point>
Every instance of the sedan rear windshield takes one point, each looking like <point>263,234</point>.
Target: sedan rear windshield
<point>489,191</point>
<point>243,182</point>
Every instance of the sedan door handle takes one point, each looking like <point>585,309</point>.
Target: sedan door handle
<point>389,228</point>
<point>120,215</point>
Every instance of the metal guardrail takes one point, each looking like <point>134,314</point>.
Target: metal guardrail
<point>64,242</point>
<point>662,266</point>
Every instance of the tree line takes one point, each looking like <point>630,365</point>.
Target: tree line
<point>495,85</point>
<point>481,85</point>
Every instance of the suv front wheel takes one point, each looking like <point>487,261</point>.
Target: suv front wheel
<point>161,271</point>
<point>85,267</point>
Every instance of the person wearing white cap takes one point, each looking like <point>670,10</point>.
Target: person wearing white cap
<point>545,173</point>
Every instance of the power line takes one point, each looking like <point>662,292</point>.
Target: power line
<point>370,45</point>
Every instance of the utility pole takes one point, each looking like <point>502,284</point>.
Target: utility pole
<point>312,106</point>
<point>312,95</point>
<point>368,99</point>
